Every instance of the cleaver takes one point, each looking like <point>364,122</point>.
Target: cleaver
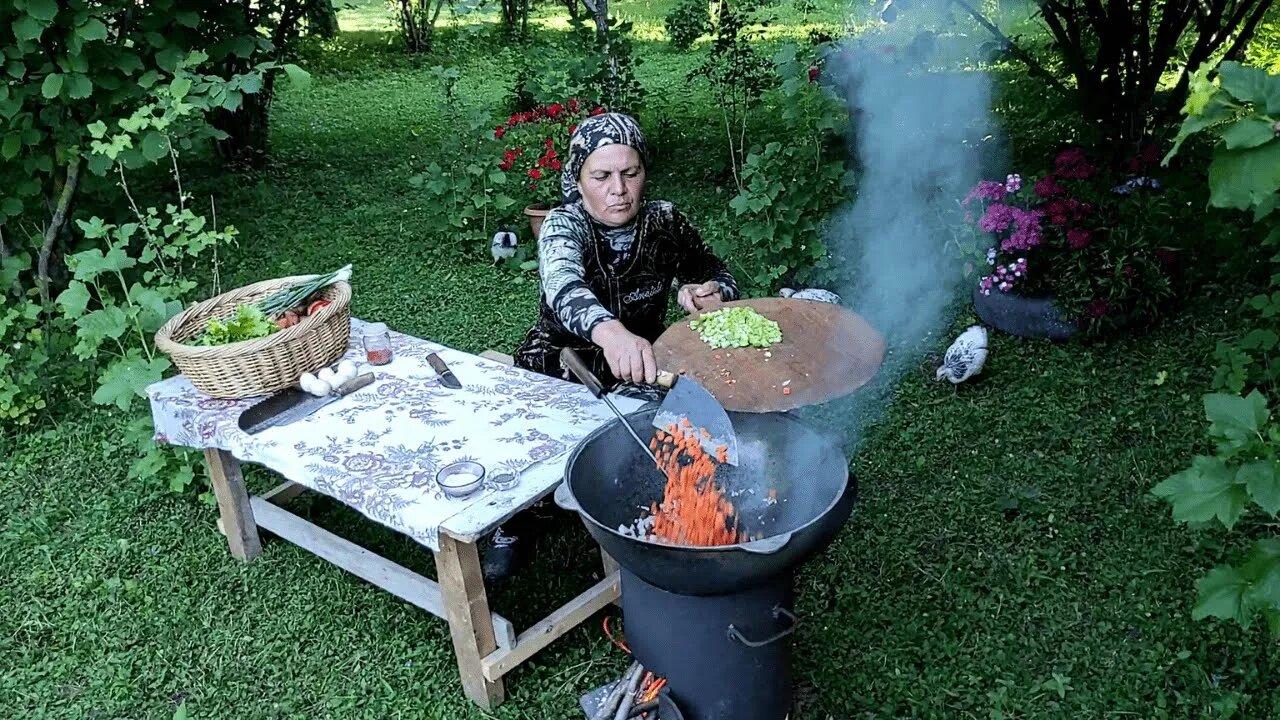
<point>293,404</point>
<point>686,400</point>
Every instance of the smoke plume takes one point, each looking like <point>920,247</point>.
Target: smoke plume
<point>921,129</point>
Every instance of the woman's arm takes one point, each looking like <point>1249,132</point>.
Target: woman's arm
<point>698,264</point>
<point>560,250</point>
<point>564,284</point>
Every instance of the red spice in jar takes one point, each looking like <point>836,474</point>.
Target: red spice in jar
<point>377,344</point>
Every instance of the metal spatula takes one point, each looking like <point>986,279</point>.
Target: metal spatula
<point>687,400</point>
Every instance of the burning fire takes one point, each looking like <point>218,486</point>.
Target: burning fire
<point>694,510</point>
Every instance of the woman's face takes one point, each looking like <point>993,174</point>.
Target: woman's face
<point>612,184</point>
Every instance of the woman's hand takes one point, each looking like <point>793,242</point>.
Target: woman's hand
<point>694,298</point>
<point>630,356</point>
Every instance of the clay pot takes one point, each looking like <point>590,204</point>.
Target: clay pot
<point>536,214</point>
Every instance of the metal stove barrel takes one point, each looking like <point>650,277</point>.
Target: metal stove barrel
<point>724,656</point>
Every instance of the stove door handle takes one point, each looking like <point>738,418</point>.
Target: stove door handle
<point>778,611</point>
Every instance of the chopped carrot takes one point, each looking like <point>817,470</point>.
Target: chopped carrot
<point>693,510</point>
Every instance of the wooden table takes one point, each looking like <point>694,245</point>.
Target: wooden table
<point>487,645</point>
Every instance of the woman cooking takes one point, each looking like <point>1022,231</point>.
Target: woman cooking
<point>608,260</point>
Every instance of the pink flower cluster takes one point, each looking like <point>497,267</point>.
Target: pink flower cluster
<point>1025,225</point>
<point>986,190</point>
<point>1005,277</point>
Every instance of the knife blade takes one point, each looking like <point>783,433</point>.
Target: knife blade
<point>293,405</point>
<point>447,377</point>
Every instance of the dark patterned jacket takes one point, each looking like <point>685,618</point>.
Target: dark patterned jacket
<point>592,273</point>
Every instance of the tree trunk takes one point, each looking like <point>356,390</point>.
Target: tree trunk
<point>248,128</point>
<point>600,12</point>
<point>56,223</point>
<point>322,18</point>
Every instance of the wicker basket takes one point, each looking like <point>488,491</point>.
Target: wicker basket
<point>263,365</point>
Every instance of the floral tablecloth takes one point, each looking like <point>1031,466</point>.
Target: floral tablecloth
<point>378,449</point>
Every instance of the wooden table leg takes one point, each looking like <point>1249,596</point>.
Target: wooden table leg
<point>466,606</point>
<point>233,504</point>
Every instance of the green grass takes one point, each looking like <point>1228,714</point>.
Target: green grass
<point>1004,536</point>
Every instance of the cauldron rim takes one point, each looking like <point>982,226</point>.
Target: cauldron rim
<point>652,410</point>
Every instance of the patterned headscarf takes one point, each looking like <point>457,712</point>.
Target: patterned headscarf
<point>593,134</point>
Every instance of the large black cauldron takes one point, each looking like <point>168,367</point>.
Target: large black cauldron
<point>609,482</point>
<point>715,621</point>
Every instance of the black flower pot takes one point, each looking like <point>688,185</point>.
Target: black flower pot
<point>1023,316</point>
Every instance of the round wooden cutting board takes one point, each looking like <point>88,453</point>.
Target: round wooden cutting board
<point>826,352</point>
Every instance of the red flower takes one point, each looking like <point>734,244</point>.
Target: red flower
<point>1097,307</point>
<point>555,165</point>
<point>535,173</point>
<point>1047,187</point>
<point>514,119</point>
<point>814,72</point>
<point>499,131</point>
<point>555,109</point>
<point>597,111</point>
<point>1079,238</point>
<point>548,143</point>
<point>574,105</point>
<point>505,165</point>
<point>573,129</point>
<point>1072,163</point>
<point>509,156</point>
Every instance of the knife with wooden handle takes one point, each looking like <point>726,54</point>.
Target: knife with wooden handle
<point>447,378</point>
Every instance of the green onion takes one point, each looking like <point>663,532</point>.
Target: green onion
<point>275,305</point>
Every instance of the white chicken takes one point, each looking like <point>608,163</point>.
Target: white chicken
<point>814,294</point>
<point>965,357</point>
<point>503,245</point>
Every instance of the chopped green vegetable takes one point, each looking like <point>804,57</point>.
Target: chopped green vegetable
<point>736,327</point>
<point>247,323</point>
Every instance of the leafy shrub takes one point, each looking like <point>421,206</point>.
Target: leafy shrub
<point>738,76</point>
<point>603,74</point>
<point>468,192</point>
<point>1239,483</point>
<point>688,21</point>
<point>792,184</point>
<point>1118,67</point>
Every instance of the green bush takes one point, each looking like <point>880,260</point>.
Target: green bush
<point>791,185</point>
<point>688,21</point>
<point>1239,483</point>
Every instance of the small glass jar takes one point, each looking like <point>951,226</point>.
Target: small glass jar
<point>377,344</point>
